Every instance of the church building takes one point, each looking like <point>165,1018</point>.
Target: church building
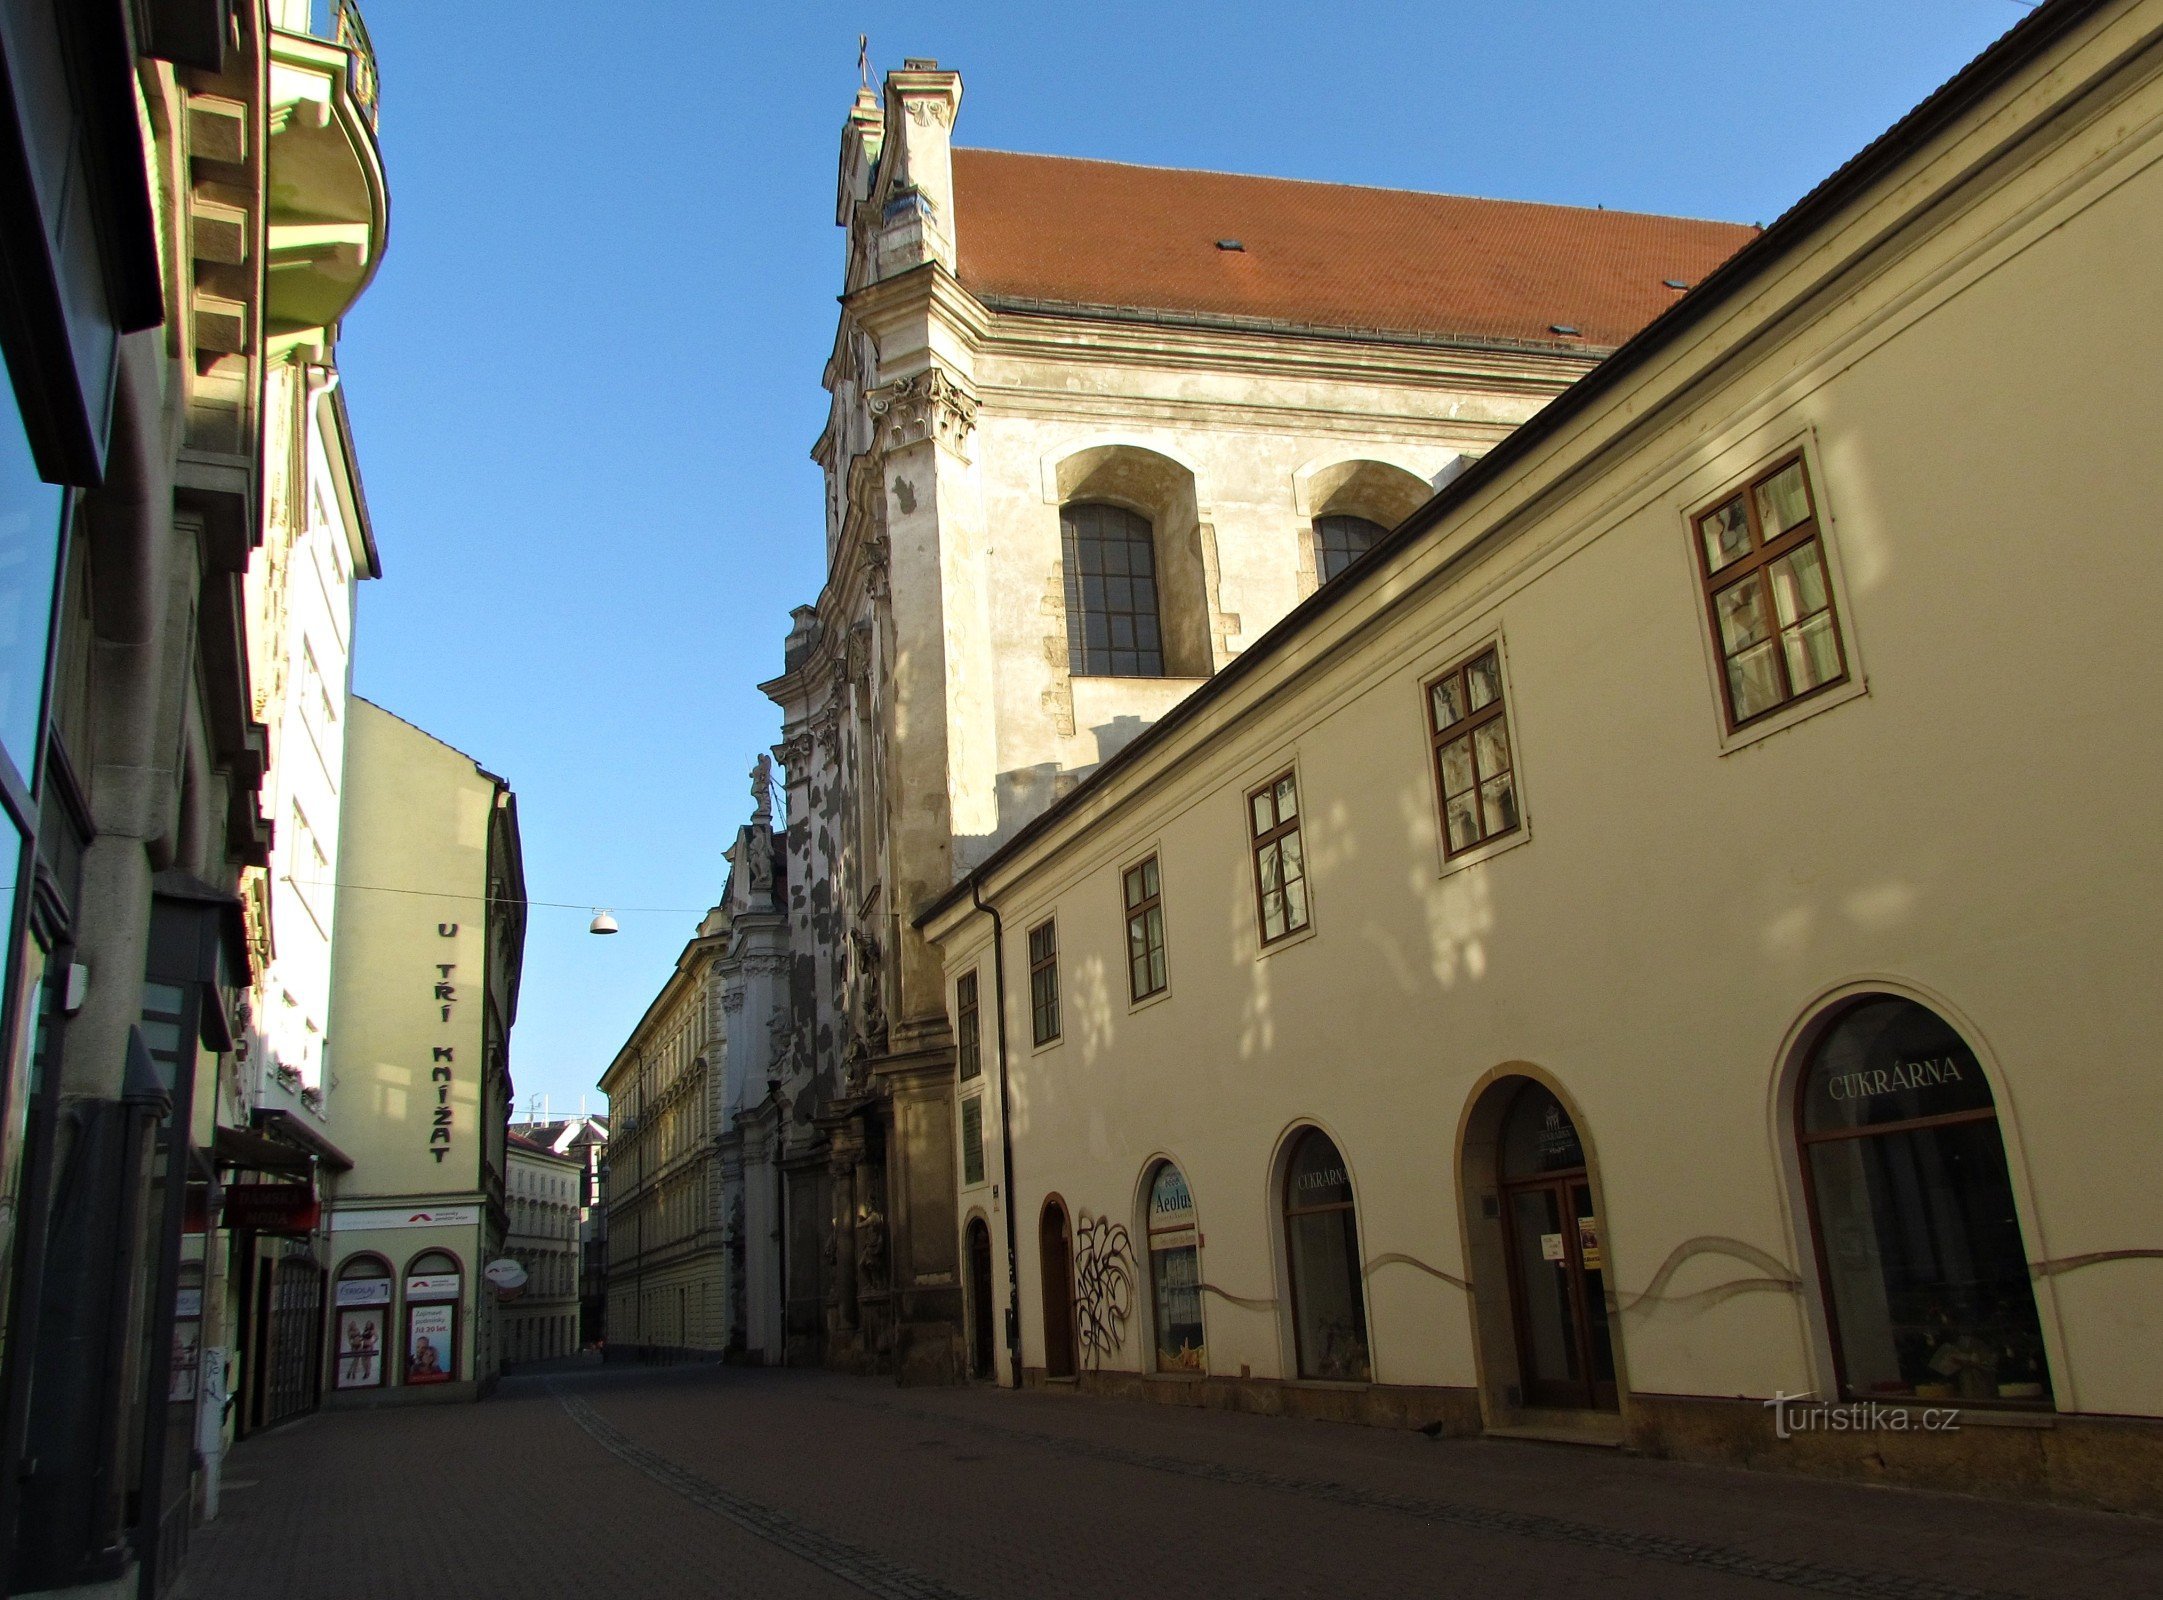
<point>1095,430</point>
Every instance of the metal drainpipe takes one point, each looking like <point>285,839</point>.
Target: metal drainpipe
<point>1006,1139</point>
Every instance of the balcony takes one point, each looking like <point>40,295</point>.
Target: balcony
<point>329,205</point>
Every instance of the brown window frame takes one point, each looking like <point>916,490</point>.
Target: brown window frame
<point>1756,563</point>
<point>1044,1018</point>
<point>1466,726</point>
<point>1151,960</point>
<point>1260,839</point>
<point>968,1027</point>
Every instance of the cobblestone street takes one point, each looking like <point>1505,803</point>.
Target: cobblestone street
<point>641,1484</point>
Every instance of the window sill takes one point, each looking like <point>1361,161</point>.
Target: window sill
<point>1148,1000</point>
<point>1481,854</point>
<point>1053,1043</point>
<point>1288,942</point>
<point>1798,711</point>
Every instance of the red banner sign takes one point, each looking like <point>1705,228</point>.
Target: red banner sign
<point>272,1207</point>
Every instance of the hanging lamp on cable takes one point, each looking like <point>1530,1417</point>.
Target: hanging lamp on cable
<point>603,922</point>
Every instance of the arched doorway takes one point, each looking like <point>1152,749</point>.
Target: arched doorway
<point>1055,1254</point>
<point>1321,1252</point>
<point>1927,1288</point>
<point>1556,1257</point>
<point>980,1334</point>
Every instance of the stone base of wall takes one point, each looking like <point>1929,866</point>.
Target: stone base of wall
<point>398,1394</point>
<point>1374,1405</point>
<point>2111,1463</point>
<point>2108,1463</point>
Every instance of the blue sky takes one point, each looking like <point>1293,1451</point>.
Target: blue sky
<point>586,380</point>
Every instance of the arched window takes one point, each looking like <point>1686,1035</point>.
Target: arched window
<point>362,1298</point>
<point>1339,541</point>
<point>1175,1273</point>
<point>1321,1249</point>
<point>1111,592</point>
<point>1926,1281</point>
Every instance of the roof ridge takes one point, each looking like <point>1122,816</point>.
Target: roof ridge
<point>1368,188</point>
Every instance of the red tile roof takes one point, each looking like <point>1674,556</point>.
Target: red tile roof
<point>1053,228</point>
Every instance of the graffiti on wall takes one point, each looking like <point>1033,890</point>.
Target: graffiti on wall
<point>1104,1272</point>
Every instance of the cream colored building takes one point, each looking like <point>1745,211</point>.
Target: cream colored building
<point>541,1197</point>
<point>425,991</point>
<point>661,1184</point>
<point>1676,929</point>
<point>1094,429</point>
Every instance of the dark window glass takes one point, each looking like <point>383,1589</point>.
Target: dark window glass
<point>1321,1237</point>
<point>1340,541</point>
<point>1769,595</point>
<point>1112,625</point>
<point>1044,982</point>
<point>1143,892</point>
<point>1539,1137</point>
<point>968,1036</point>
<point>972,1139</point>
<point>1175,1273</point>
<point>1926,1277</point>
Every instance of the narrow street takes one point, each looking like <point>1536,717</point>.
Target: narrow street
<point>696,1481</point>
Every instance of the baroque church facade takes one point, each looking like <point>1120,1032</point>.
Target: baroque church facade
<point>1093,430</point>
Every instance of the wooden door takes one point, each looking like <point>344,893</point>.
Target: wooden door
<point>1558,1299</point>
<point>980,1319</point>
<point>1056,1253</point>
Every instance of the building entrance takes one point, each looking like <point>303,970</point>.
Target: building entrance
<point>980,1325</point>
<point>1556,1256</point>
<point>1055,1252</point>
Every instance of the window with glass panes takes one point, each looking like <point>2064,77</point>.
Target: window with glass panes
<point>1340,541</point>
<point>1473,767</point>
<point>1769,594</point>
<point>1280,863</point>
<point>1111,593</point>
<point>1145,930</point>
<point>972,1139</point>
<point>1044,982</point>
<point>968,1040</point>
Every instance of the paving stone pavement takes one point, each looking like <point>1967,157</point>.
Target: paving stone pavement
<point>654,1484</point>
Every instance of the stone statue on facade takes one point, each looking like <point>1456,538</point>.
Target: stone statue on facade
<point>762,792</point>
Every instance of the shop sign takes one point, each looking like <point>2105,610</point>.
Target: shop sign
<point>364,1292</point>
<point>289,1208</point>
<point>433,1286</point>
<point>414,1217</point>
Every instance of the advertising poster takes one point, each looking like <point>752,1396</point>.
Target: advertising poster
<point>362,1334</point>
<point>430,1355</point>
<point>187,1358</point>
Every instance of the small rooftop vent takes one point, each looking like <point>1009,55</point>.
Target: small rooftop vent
<point>1675,283</point>
<point>1565,329</point>
<point>1230,244</point>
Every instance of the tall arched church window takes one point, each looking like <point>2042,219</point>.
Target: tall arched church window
<point>1339,541</point>
<point>1112,626</point>
<point>1175,1273</point>
<point>1321,1250</point>
<point>1918,1241</point>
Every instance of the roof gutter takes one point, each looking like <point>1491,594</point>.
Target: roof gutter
<point>2020,45</point>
